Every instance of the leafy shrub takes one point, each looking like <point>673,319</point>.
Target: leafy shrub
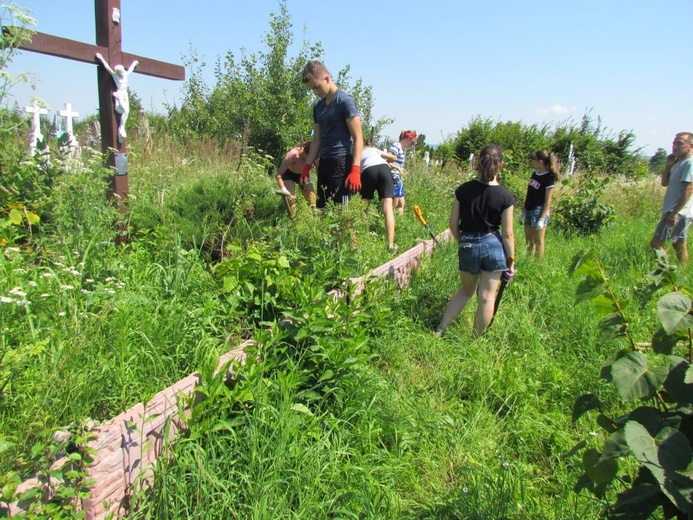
<point>580,209</point>
<point>658,432</point>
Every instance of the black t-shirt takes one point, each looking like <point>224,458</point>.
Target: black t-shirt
<point>536,189</point>
<point>481,206</point>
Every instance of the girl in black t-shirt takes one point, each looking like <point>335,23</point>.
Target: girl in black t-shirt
<point>481,208</point>
<point>535,214</point>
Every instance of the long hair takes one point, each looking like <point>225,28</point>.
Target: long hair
<point>549,160</point>
<point>490,162</point>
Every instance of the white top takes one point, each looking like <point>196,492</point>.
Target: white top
<point>371,156</point>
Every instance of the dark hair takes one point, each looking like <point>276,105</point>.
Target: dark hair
<point>306,147</point>
<point>490,162</point>
<point>548,159</point>
<point>314,70</point>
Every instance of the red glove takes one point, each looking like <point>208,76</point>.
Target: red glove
<point>353,180</point>
<point>305,175</point>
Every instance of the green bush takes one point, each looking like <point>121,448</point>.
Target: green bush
<point>579,209</point>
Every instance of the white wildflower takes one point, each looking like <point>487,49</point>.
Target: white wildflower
<point>32,283</point>
<point>5,299</point>
<point>61,314</point>
<point>45,295</point>
<point>17,291</point>
<point>47,275</point>
<point>66,287</point>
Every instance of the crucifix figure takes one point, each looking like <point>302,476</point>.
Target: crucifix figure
<point>108,45</point>
<point>120,96</point>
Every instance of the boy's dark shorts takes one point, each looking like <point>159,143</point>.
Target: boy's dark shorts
<point>332,172</point>
<point>378,178</point>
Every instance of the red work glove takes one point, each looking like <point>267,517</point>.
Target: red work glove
<point>305,175</point>
<point>353,180</point>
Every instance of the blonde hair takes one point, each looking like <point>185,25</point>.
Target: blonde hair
<point>548,159</point>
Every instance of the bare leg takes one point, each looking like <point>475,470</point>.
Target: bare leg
<point>389,222</point>
<point>488,284</point>
<point>539,242</point>
<point>398,204</point>
<point>309,193</point>
<point>529,239</point>
<point>459,300</point>
<point>681,248</point>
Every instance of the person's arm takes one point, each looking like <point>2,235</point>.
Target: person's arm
<point>668,165</point>
<point>508,234</point>
<point>389,157</point>
<point>354,125</point>
<point>282,168</point>
<point>314,146</point>
<point>132,66</point>
<point>547,202</point>
<point>454,221</point>
<point>681,203</point>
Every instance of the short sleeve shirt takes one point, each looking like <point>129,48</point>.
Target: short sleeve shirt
<point>335,138</point>
<point>539,182</point>
<point>681,174</point>
<point>481,206</point>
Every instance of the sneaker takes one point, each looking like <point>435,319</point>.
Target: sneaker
<point>439,332</point>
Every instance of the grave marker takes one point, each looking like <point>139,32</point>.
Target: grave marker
<point>36,135</point>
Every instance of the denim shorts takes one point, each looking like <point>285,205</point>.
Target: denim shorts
<point>532,216</point>
<point>481,252</point>
<point>672,234</point>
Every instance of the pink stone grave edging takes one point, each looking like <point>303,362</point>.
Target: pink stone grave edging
<point>126,447</point>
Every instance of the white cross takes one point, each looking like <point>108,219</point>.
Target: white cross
<point>36,135</point>
<point>68,114</point>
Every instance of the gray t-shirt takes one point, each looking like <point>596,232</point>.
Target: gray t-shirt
<point>335,138</point>
<point>681,174</point>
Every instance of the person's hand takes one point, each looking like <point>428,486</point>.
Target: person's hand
<point>305,175</point>
<point>671,219</point>
<point>541,224</point>
<point>671,160</point>
<point>508,275</point>
<point>353,180</point>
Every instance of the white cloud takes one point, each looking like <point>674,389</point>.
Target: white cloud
<point>553,109</point>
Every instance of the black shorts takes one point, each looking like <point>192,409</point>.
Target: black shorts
<point>288,175</point>
<point>377,177</point>
<point>332,172</point>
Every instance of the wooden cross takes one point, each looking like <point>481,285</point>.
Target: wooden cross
<point>108,43</point>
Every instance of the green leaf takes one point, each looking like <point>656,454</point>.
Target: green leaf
<point>15,217</point>
<point>584,264</point>
<point>301,408</point>
<point>615,446</point>
<point>664,343</point>
<point>673,310</point>
<point>632,377</point>
<point>588,289</point>
<point>606,423</point>
<point>604,304</point>
<point>599,472</point>
<point>675,384</point>
<point>32,218</point>
<point>611,327</point>
<point>584,404</point>
<point>664,455</point>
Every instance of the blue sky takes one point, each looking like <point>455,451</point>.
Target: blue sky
<point>433,66</point>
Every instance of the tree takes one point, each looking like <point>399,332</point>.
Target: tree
<point>657,160</point>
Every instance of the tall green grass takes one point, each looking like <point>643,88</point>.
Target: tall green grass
<point>348,410</point>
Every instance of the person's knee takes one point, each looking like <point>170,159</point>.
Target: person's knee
<point>656,243</point>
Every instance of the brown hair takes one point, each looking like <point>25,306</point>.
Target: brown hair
<point>314,70</point>
<point>548,159</point>
<point>490,162</point>
<point>306,147</point>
